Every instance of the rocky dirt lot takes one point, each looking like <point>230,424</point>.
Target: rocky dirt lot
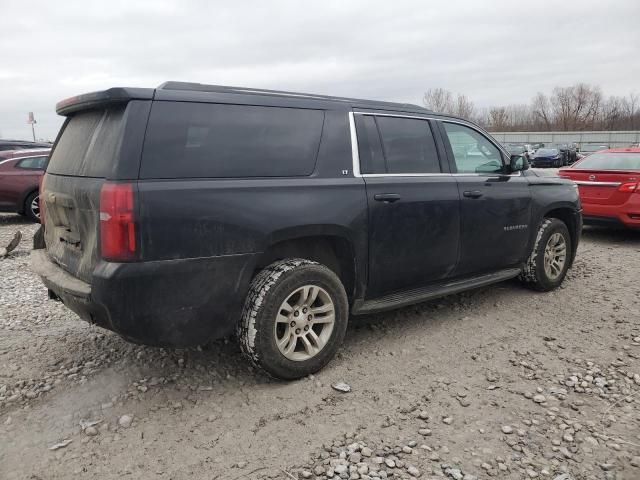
<point>500,382</point>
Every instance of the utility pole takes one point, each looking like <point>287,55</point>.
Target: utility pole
<point>32,121</point>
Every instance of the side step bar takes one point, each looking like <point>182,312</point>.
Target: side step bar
<point>417,295</point>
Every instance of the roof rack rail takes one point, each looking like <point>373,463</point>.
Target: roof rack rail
<point>200,87</point>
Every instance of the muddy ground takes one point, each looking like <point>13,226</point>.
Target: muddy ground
<point>500,382</point>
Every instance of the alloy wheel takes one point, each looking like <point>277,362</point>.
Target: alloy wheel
<point>555,255</point>
<point>304,323</point>
<point>35,206</point>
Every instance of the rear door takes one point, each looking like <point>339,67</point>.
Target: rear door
<point>92,148</point>
<point>414,219</point>
<point>495,206</point>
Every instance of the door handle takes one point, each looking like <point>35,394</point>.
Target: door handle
<point>472,194</point>
<point>386,197</point>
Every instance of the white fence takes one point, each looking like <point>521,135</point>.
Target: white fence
<point>614,139</point>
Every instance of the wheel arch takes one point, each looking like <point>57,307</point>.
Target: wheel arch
<point>571,218</point>
<point>329,246</point>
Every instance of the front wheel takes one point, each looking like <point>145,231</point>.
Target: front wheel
<point>294,318</point>
<point>549,261</point>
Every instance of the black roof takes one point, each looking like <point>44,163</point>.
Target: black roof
<point>186,91</point>
<point>373,104</point>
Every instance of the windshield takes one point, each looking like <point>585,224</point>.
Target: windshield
<point>611,161</point>
<point>593,148</point>
<point>546,152</point>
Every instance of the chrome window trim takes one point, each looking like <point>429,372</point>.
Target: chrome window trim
<point>597,184</point>
<point>355,153</point>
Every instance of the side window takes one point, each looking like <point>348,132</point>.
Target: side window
<point>205,140</point>
<point>32,163</point>
<point>408,145</point>
<point>472,151</point>
<point>369,146</point>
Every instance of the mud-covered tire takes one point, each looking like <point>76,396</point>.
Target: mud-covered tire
<point>534,274</point>
<point>268,290</point>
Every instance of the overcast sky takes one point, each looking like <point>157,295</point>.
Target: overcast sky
<point>496,52</point>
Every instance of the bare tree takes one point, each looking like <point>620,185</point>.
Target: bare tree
<point>576,107</point>
<point>464,107</point>
<point>439,100</point>
<point>631,108</point>
<point>499,119</point>
<point>542,110</point>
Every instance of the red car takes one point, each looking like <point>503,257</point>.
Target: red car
<point>609,185</point>
<point>20,173</point>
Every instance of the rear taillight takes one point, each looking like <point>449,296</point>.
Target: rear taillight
<point>117,222</point>
<point>629,188</point>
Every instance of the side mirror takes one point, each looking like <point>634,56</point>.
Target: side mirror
<point>518,163</point>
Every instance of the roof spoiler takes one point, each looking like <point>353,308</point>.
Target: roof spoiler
<point>88,101</point>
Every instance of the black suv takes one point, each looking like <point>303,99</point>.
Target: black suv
<point>180,214</point>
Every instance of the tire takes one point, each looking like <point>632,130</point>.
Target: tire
<point>32,207</point>
<point>282,284</point>
<point>535,273</point>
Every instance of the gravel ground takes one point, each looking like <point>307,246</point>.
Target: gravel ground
<point>499,382</point>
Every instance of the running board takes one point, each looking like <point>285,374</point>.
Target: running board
<point>417,295</point>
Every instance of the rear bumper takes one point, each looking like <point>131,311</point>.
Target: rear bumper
<point>625,215</point>
<point>175,303</point>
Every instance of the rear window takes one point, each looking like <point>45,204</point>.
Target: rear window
<point>191,140</point>
<point>611,161</point>
<point>89,144</point>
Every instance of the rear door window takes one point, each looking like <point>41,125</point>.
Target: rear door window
<point>203,140</point>
<point>396,145</point>
<point>408,145</point>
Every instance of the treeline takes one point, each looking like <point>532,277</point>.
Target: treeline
<point>578,107</point>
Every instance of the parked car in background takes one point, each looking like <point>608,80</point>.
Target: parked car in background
<point>530,150</point>
<point>537,146</point>
<point>523,149</point>
<point>181,214</point>
<point>21,145</point>
<point>564,152</point>
<point>517,149</point>
<point>609,186</point>
<point>569,152</point>
<point>20,173</point>
<point>547,157</point>
<point>589,148</point>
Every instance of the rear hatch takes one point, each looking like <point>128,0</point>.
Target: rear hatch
<point>94,146</point>
<point>602,187</point>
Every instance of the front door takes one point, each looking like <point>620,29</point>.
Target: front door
<point>414,219</point>
<point>495,206</point>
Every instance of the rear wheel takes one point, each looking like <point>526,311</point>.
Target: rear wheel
<point>32,206</point>
<point>548,263</point>
<point>294,318</point>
